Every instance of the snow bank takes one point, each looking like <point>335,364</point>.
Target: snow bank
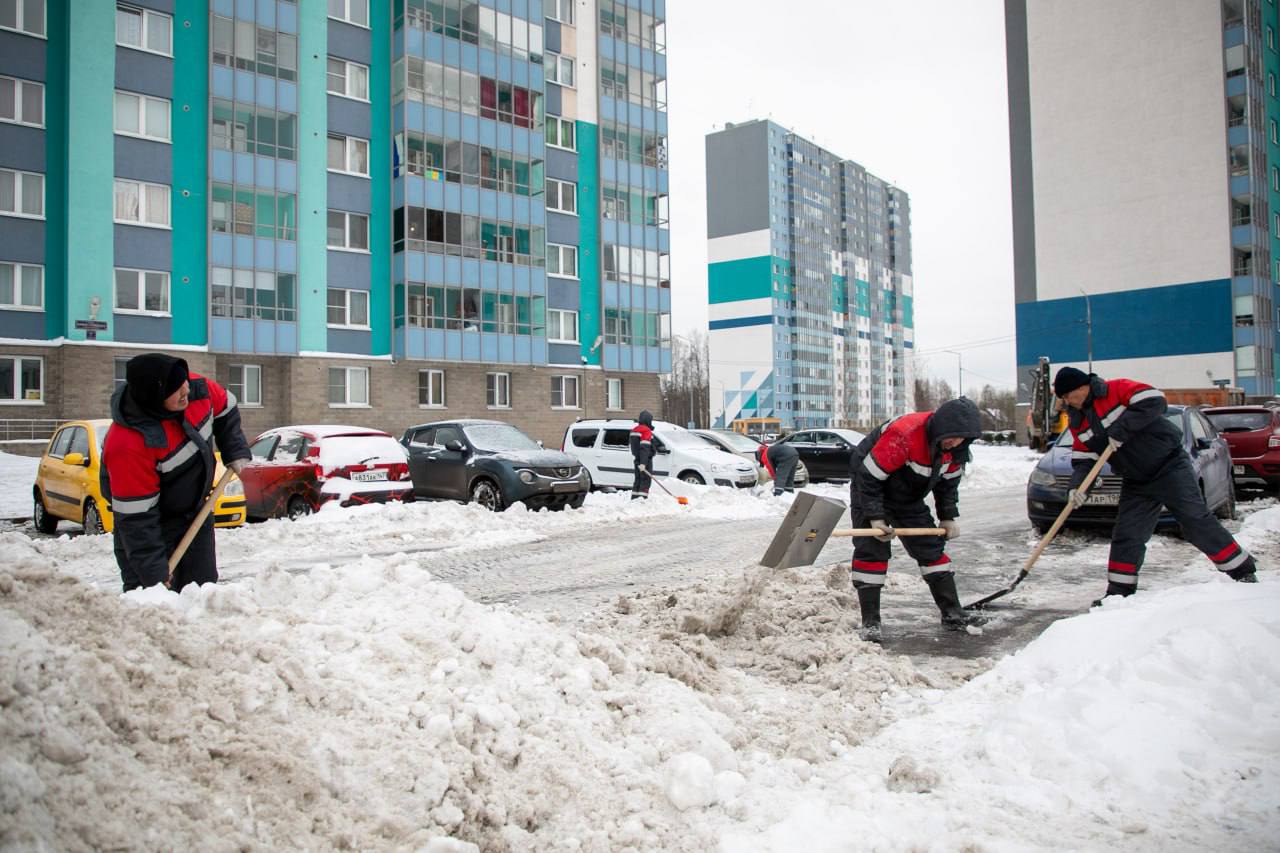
<point>18,474</point>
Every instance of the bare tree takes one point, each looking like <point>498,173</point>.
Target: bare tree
<point>686,391</point>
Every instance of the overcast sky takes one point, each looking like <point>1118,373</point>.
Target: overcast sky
<point>915,91</point>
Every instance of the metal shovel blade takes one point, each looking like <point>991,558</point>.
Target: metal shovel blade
<point>803,532</point>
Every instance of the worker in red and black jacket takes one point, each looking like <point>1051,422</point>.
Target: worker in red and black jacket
<point>892,470</point>
<point>1155,471</point>
<point>642,455</point>
<point>158,468</point>
<point>780,460</point>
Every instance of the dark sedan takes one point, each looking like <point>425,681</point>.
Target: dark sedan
<point>493,464</point>
<point>825,452</point>
<point>1049,482</point>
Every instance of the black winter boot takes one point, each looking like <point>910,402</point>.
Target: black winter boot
<point>869,604</point>
<point>943,587</point>
<point>1244,574</point>
<point>1120,589</point>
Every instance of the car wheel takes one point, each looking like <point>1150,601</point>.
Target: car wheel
<point>590,483</point>
<point>488,495</point>
<point>298,508</point>
<point>576,503</point>
<point>44,522</point>
<point>92,518</point>
<point>692,477</point>
<point>1042,527</point>
<point>1227,510</point>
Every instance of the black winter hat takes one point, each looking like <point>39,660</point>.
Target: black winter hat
<point>153,377</point>
<point>1068,380</point>
<point>646,418</point>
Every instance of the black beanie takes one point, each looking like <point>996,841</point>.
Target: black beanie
<point>153,377</point>
<point>1068,380</point>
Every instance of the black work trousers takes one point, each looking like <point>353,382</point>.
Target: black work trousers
<point>871,556</point>
<point>784,476</point>
<point>199,565</point>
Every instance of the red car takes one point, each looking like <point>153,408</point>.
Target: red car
<point>296,469</point>
<point>1253,433</point>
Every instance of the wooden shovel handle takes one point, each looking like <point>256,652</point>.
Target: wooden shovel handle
<point>1066,510</point>
<point>178,552</point>
<point>897,531</point>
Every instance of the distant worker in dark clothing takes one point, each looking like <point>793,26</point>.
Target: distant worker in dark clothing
<point>780,460</point>
<point>892,471</point>
<point>642,454</point>
<point>158,468</point>
<point>1155,471</point>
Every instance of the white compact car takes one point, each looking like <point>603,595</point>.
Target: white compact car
<point>604,449</point>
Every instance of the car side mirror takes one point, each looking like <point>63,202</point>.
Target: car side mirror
<point>541,445</point>
<point>454,445</point>
<point>1204,443</point>
<point>661,449</point>
<point>75,459</point>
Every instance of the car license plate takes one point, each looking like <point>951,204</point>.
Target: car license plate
<point>1103,500</point>
<point>368,476</point>
<point>564,487</point>
<point>1237,469</point>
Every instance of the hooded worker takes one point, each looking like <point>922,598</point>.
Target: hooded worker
<point>1155,469</point>
<point>892,470</point>
<point>158,468</point>
<point>642,455</point>
<point>780,459</point>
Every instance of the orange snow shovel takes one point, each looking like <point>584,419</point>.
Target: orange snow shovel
<point>680,499</point>
<point>1048,537</point>
<point>176,556</point>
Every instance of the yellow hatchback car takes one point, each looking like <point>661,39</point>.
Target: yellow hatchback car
<point>67,486</point>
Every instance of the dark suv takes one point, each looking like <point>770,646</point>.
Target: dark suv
<point>493,464</point>
<point>1253,433</point>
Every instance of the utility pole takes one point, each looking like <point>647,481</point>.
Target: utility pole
<point>960,364</point>
<point>1088,323</point>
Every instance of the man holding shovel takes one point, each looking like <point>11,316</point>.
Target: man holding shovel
<point>892,471</point>
<point>158,468</point>
<point>642,454</point>
<point>1147,453</point>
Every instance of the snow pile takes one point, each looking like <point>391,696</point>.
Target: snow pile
<point>997,466</point>
<point>18,474</point>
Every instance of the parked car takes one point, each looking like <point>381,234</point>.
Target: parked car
<point>1253,434</point>
<point>825,452</point>
<point>67,486</point>
<point>1049,482</point>
<point>746,447</point>
<point>492,463</point>
<point>297,469</point>
<point>603,447</point>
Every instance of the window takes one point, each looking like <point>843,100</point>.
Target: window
<point>613,394</point>
<point>562,196</point>
<point>352,11</point>
<point>616,438</point>
<point>348,386</point>
<point>254,130</point>
<point>22,287</point>
<point>1275,138</point>
<point>348,307</point>
<point>139,203</point>
<point>584,437</point>
<point>562,326</point>
<point>348,154</point>
<point>497,389</point>
<point>122,372</point>
<point>143,29</point>
<point>139,115</point>
<point>239,44</point>
<point>564,392</point>
<point>246,384</point>
<point>23,16</point>
<point>348,231</point>
<point>21,194</point>
<point>562,260</point>
<point>240,210</point>
<point>559,69</point>
<point>21,101</point>
<point>348,79</point>
<point>560,10</point>
<point>21,379</point>
<point>431,389</point>
<point>246,293</point>
<point>142,292</point>
<point>560,133</point>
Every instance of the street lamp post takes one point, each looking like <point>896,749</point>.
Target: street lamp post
<point>1088,323</point>
<point>960,370</point>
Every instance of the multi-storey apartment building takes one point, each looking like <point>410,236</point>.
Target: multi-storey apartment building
<point>809,280</point>
<point>348,211</point>
<point>1145,163</point>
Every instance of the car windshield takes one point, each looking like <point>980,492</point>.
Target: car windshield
<point>339,451</point>
<point>681,438</point>
<point>499,437</point>
<point>739,442</point>
<point>1239,421</point>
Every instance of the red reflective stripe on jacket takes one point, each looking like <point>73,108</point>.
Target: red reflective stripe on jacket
<point>764,458</point>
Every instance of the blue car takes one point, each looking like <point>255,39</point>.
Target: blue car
<point>1210,456</point>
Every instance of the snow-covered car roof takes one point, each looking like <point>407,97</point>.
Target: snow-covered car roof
<point>325,430</point>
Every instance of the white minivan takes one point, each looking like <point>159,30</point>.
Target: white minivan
<point>604,449</point>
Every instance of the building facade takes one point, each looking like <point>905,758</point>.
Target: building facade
<point>1146,189</point>
<point>360,211</point>
<point>809,283</point>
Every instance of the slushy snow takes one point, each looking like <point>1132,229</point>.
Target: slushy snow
<point>331,694</point>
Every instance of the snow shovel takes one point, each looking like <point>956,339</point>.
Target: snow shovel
<point>1048,537</point>
<point>808,525</point>
<point>178,552</point>
<point>680,499</point>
